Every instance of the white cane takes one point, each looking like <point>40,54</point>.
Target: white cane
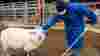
<point>75,42</point>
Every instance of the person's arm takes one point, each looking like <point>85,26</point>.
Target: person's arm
<point>60,7</point>
<point>52,21</point>
<point>90,14</point>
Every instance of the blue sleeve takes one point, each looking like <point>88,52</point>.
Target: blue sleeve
<point>90,14</point>
<point>52,21</point>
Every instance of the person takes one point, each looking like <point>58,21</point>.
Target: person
<point>73,16</point>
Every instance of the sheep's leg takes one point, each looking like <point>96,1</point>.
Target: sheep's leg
<point>4,48</point>
<point>4,43</point>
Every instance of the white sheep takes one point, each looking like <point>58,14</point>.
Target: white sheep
<point>21,38</point>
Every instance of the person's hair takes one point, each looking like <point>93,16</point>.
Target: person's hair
<point>60,5</point>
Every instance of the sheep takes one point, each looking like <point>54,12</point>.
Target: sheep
<point>20,38</point>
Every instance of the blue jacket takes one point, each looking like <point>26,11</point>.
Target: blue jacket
<point>74,16</point>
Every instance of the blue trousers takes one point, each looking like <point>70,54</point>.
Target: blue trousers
<point>71,35</point>
<point>76,48</point>
<point>72,32</point>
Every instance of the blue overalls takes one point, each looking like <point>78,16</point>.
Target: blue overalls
<point>73,24</point>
